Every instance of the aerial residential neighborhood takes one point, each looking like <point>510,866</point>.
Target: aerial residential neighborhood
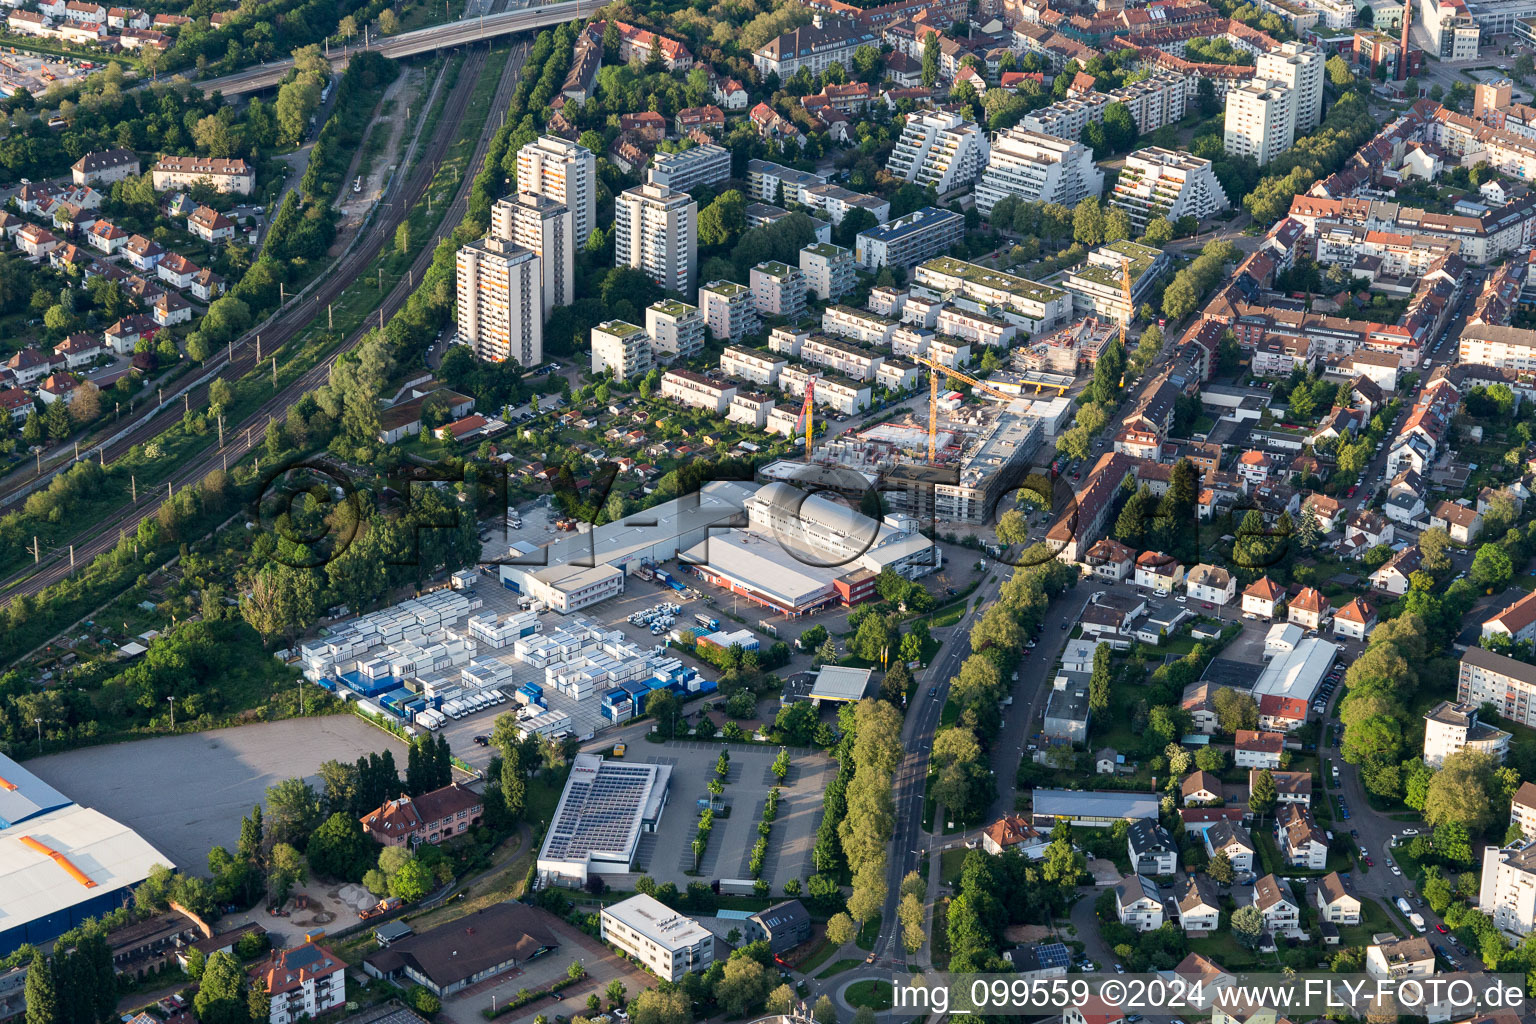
<point>581,513</point>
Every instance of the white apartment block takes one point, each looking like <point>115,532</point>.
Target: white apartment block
<point>977,328</point>
<point>751,408</point>
<point>942,150</point>
<point>1152,103</point>
<point>668,943</point>
<point>500,302</point>
<point>1507,684</point>
<point>544,226</point>
<point>1157,182</point>
<point>623,348</point>
<point>778,289</point>
<point>838,201</point>
<point>1522,809</point>
<point>695,166</point>
<point>697,390</point>
<point>1510,348</point>
<point>1039,168</point>
<point>676,329</point>
<point>898,376</point>
<point>768,182</point>
<point>1451,728</point>
<point>657,232</point>
<point>1299,68</point>
<point>839,395</point>
<point>1508,890</point>
<point>827,269</point>
<point>752,365</point>
<point>728,310</point>
<point>1260,121</point>
<point>910,239</point>
<point>786,341</point>
<point>565,172</point>
<point>866,328</point>
<point>847,360</point>
<point>1027,304</point>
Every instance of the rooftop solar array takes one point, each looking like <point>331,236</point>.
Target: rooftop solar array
<point>1053,954</point>
<point>602,808</point>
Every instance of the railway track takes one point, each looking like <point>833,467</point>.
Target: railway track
<point>241,437</point>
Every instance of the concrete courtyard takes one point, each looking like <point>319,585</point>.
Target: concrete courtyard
<point>185,794</point>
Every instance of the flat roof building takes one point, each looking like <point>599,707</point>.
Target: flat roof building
<point>669,943</point>
<point>597,825</point>
<point>1093,807</point>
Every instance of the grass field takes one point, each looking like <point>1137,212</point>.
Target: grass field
<point>877,995</point>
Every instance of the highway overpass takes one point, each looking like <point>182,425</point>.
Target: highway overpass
<point>408,44</point>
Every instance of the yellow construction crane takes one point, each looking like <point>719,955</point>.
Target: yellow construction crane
<point>807,412</point>
<point>934,369</point>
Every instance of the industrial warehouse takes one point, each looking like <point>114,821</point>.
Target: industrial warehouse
<point>605,808</point>
<point>60,863</point>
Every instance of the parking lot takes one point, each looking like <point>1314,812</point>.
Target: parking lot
<point>185,794</point>
<point>666,854</point>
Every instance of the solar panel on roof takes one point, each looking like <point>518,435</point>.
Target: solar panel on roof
<point>1053,954</point>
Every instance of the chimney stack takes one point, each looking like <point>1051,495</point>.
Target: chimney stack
<point>1402,58</point>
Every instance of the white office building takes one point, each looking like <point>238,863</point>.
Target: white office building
<point>541,224</point>
<point>500,313</point>
<point>565,172</point>
<point>657,232</point>
<point>1038,168</point>
<point>667,942</point>
<point>1157,182</point>
<point>942,150</point>
<point>622,348</point>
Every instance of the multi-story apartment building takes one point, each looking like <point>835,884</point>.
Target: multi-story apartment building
<point>816,46</point>
<point>301,983</point>
<point>827,269</point>
<point>565,172</point>
<point>697,390</point>
<point>866,328</point>
<point>1037,167</point>
<point>1507,684</point>
<point>623,348</point>
<point>1027,304</point>
<point>1451,728</point>
<point>1153,103</point>
<point>769,182</point>
<point>1260,121</point>
<point>541,224</point>
<point>1299,68</point>
<point>848,360</point>
<point>666,942</point>
<point>235,176</point>
<point>896,375</point>
<point>940,150</point>
<point>836,393</point>
<point>751,408</point>
<point>657,232</point>
<point>910,239</point>
<point>728,310</point>
<point>778,289</point>
<point>1522,809</point>
<point>1097,286</point>
<point>1509,348</point>
<point>1157,182</point>
<point>837,201</point>
<point>751,364</point>
<point>698,165</point>
<point>676,329</point>
<point>976,328</point>
<point>1508,890</point>
<point>500,314</point>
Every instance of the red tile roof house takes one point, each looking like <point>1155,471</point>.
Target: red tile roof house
<point>1257,749</point>
<point>212,226</point>
<point>648,125</point>
<point>106,236</point>
<point>78,349</point>
<point>28,365</point>
<point>58,387</point>
<point>122,336</point>
<point>206,285</point>
<point>16,402</point>
<point>1261,597</point>
<point>1308,609</point>
<point>429,818</point>
<point>176,270</point>
<point>1281,714</point>
<point>305,981</point>
<point>143,253</point>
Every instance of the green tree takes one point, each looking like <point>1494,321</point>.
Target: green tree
<point>840,929</point>
<point>412,882</point>
<point>220,996</point>
<point>1247,925</point>
<point>41,991</point>
<point>931,60</point>
<point>1261,800</point>
<point>1492,567</point>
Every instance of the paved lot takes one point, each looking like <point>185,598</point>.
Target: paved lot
<point>601,964</point>
<point>186,794</point>
<point>666,855</point>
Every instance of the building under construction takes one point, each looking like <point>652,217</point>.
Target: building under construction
<point>1072,350</point>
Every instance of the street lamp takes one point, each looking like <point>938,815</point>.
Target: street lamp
<point>173,712</point>
<point>39,722</point>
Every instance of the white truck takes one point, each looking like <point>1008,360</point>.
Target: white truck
<point>1402,904</point>
<point>1418,921</point>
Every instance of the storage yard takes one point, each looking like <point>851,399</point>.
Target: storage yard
<point>452,654</point>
